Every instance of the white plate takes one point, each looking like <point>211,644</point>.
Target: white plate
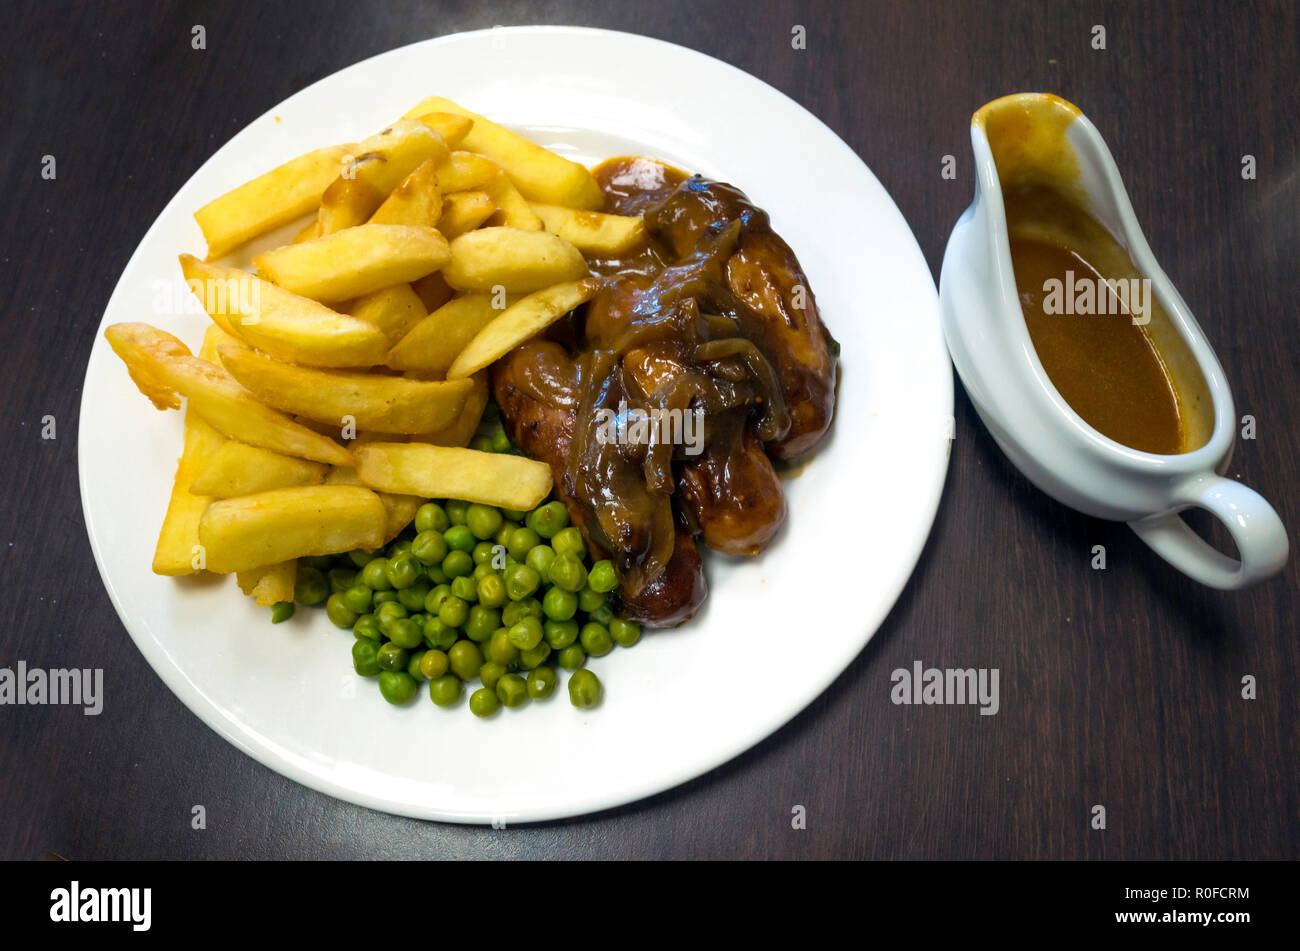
<point>775,631</point>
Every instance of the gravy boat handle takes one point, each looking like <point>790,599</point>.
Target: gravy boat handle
<point>1253,524</point>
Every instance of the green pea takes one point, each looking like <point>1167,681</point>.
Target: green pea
<point>406,633</point>
<point>559,605</point>
<point>281,611</point>
<point>360,557</point>
<point>511,690</point>
<point>482,554</point>
<point>341,579</point>
<point>433,664</point>
<point>602,615</point>
<point>624,633</point>
<point>310,587</point>
<point>546,520</point>
<point>482,622</point>
<point>412,598</point>
<point>457,564</point>
<point>320,563</point>
<point>392,657</point>
<point>430,517</point>
<point>516,611</point>
<point>540,558</point>
<point>484,702</point>
<point>560,634</point>
<point>589,600</point>
<point>502,537</point>
<point>490,673</point>
<point>481,572</point>
<point>459,538</point>
<point>453,611</point>
<point>429,548</point>
<point>397,687</point>
<point>584,689</point>
<point>436,575</point>
<point>569,541</point>
<point>368,628</point>
<point>492,591</point>
<point>465,659</point>
<point>456,510</point>
<point>501,442</point>
<point>398,546</point>
<point>500,650</point>
<point>439,635</point>
<point>526,633</point>
<point>381,596</point>
<point>571,657</point>
<point>445,690</point>
<point>388,612</point>
<point>338,612</point>
<point>365,657</point>
<point>375,575</point>
<point>521,581</point>
<point>413,665</point>
<point>534,656</point>
<point>483,520</point>
<point>568,572</point>
<point>359,599</point>
<point>481,443</point>
<point>595,639</point>
<point>602,576</point>
<point>433,600</point>
<point>465,588</point>
<point>541,682</point>
<point>522,540</point>
<point>403,570</point>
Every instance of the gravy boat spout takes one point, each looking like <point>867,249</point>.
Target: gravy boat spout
<point>1036,144</point>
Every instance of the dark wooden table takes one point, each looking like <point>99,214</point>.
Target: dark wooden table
<point>1119,687</point>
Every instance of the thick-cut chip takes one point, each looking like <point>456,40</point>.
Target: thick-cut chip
<point>347,203</point>
<point>514,210</point>
<point>433,343</point>
<point>269,584</point>
<point>433,291</point>
<point>462,429</point>
<point>375,401</point>
<point>416,201</point>
<point>593,233</point>
<point>308,231</point>
<point>164,370</point>
<point>519,261</point>
<point>541,175</point>
<point>355,261</point>
<point>394,310</point>
<point>519,322</point>
<point>177,548</point>
<point>443,472</point>
<point>463,171</point>
<point>269,201</point>
<point>465,211</point>
<point>451,127</point>
<point>400,509</point>
<point>275,526</point>
<point>283,324</point>
<point>383,160</point>
<point>240,469</point>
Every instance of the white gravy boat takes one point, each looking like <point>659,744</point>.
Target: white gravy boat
<point>1037,429</point>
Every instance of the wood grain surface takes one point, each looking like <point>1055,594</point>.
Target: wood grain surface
<point>1119,688</point>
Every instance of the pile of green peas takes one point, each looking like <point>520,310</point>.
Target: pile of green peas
<point>472,592</point>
